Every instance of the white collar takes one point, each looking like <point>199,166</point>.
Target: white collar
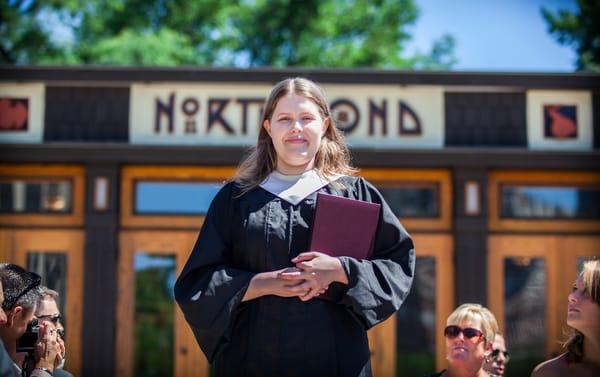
<point>295,188</point>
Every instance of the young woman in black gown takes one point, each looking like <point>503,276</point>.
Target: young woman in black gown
<point>258,301</point>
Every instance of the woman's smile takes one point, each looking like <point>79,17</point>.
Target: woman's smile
<point>296,140</point>
<point>296,129</point>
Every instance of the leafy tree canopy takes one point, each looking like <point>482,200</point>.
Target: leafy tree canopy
<point>242,33</point>
<point>580,30</point>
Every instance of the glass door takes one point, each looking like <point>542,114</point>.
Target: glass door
<point>153,338</point>
<point>411,342</point>
<point>57,256</point>
<point>573,251</point>
<point>162,210</point>
<point>550,221</point>
<point>420,346</point>
<point>530,278</point>
<point>523,281</point>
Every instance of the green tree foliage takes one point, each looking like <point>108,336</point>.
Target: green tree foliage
<point>23,38</point>
<point>580,30</point>
<point>242,33</point>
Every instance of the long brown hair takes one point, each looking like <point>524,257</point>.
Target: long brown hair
<point>590,275</point>
<point>332,158</point>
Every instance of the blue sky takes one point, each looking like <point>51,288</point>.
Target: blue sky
<point>494,35</point>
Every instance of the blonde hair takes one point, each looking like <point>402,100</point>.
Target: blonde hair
<point>473,312</point>
<point>590,276</point>
<point>332,158</point>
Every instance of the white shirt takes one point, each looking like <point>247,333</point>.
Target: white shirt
<point>294,188</point>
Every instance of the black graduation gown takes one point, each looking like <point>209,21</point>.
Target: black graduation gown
<point>276,336</point>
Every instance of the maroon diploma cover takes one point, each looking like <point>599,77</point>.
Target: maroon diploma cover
<point>344,227</point>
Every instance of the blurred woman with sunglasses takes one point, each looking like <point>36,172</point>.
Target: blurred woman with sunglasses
<point>47,311</point>
<point>582,356</point>
<point>496,363</point>
<point>469,333</point>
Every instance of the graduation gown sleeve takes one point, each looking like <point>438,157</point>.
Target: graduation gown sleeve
<point>209,290</point>
<point>377,287</point>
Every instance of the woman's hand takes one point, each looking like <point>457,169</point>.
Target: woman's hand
<point>269,283</point>
<point>49,348</point>
<point>318,269</point>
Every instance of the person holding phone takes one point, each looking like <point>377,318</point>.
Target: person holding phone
<point>252,290</point>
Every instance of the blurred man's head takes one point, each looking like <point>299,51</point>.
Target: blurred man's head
<point>496,363</point>
<point>21,294</point>
<point>47,309</point>
<point>2,314</point>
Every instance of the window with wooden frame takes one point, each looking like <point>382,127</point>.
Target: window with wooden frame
<point>421,198</point>
<point>169,196</point>
<point>41,195</point>
<point>544,201</point>
<point>411,342</point>
<point>153,337</point>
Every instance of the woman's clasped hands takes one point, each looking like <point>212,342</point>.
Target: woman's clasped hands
<point>314,272</point>
<point>311,276</point>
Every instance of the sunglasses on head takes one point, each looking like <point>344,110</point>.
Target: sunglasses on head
<point>496,352</point>
<point>452,331</point>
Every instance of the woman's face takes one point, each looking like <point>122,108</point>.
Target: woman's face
<point>583,313</point>
<point>464,350</point>
<point>296,128</point>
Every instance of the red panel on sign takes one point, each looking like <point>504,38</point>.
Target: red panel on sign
<point>560,122</point>
<point>14,113</point>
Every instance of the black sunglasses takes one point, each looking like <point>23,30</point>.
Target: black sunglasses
<point>496,352</point>
<point>54,318</point>
<point>469,332</point>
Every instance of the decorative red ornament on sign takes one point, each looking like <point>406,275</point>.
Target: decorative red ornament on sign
<point>560,122</point>
<point>13,114</point>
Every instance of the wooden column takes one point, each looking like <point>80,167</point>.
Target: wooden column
<point>100,293</point>
<point>470,239</point>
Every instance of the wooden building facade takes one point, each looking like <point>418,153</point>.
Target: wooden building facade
<point>106,173</point>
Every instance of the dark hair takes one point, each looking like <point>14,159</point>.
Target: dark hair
<point>590,275</point>
<point>20,287</point>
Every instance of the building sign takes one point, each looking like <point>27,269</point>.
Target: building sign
<point>559,120</point>
<point>21,113</point>
<point>370,116</point>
